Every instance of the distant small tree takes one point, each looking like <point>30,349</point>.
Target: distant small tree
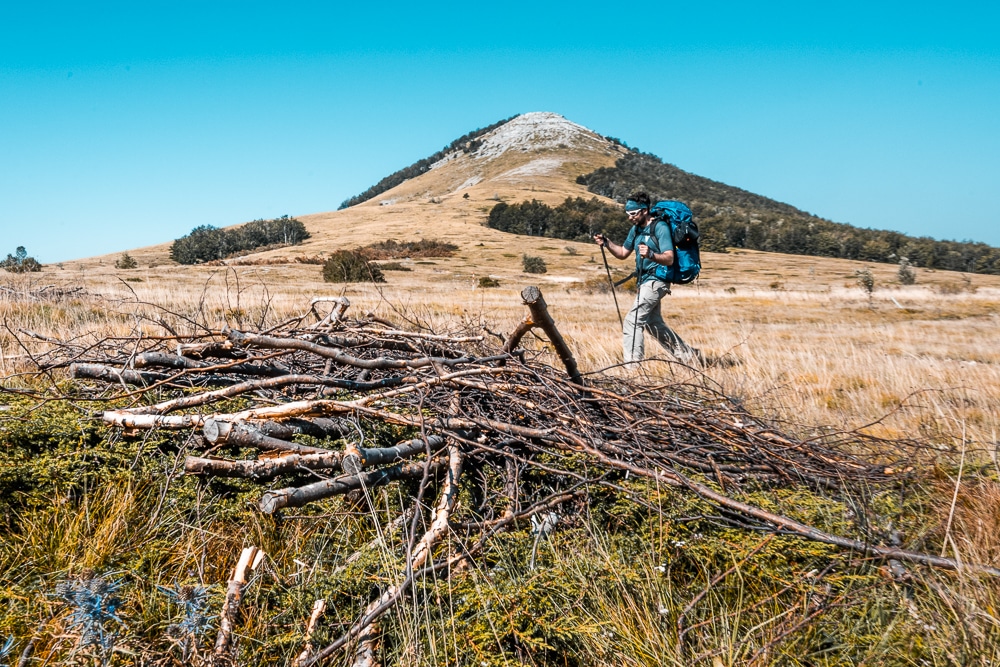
<point>126,261</point>
<point>19,262</point>
<point>866,281</point>
<point>534,264</point>
<point>906,274</point>
<point>346,266</point>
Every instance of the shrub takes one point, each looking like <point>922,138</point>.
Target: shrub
<point>348,266</point>
<point>906,274</point>
<point>534,264</point>
<point>126,261</point>
<point>486,281</point>
<point>866,281</point>
<point>393,266</point>
<point>402,250</point>
<point>19,262</point>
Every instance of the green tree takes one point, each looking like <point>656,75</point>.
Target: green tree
<point>207,243</point>
<point>20,262</point>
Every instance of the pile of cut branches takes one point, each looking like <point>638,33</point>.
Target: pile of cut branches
<point>520,438</point>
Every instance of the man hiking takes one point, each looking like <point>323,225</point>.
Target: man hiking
<point>653,246</point>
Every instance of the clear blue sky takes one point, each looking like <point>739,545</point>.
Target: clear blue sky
<point>128,124</point>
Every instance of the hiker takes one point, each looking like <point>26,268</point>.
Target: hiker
<point>653,246</point>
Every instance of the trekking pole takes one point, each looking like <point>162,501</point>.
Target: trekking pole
<point>612,283</point>
<point>638,297</point>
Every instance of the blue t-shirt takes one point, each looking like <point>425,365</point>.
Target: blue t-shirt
<point>657,237</point>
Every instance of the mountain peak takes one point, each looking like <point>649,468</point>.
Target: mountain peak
<point>528,145</point>
<point>536,131</point>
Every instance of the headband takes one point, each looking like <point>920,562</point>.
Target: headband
<point>633,206</point>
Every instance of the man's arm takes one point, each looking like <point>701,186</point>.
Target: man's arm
<point>666,258</point>
<point>620,252</point>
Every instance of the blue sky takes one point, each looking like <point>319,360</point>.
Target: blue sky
<point>128,124</point>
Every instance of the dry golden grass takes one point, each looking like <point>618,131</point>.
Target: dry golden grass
<point>814,353</point>
<point>807,344</point>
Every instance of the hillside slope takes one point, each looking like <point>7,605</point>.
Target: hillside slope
<point>535,155</point>
<point>543,156</point>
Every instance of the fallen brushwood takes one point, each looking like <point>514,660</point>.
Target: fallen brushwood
<point>264,468</point>
<point>272,501</point>
<point>500,413</point>
<point>250,557</point>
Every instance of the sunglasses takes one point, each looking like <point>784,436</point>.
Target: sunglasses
<point>634,213</point>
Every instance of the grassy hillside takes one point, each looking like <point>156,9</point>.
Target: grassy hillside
<point>467,143</point>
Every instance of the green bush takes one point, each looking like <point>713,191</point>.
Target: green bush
<point>534,264</point>
<point>126,261</point>
<point>348,266</point>
<point>19,262</point>
<point>393,266</point>
<point>486,281</point>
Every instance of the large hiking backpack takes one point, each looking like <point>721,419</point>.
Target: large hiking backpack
<point>684,233</point>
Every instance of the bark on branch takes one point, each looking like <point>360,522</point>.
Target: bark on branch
<point>249,558</point>
<point>351,462</point>
<point>165,360</point>
<point>272,501</point>
<point>220,432</point>
<point>540,317</point>
<point>338,355</point>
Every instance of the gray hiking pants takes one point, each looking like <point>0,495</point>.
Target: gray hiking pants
<point>645,314</point>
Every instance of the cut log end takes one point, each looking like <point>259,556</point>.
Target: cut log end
<point>531,295</point>
<point>216,431</point>
<point>272,501</point>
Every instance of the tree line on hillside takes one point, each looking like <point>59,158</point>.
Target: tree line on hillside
<point>727,227</point>
<point>576,219</point>
<point>730,217</point>
<point>207,243</point>
<point>467,143</point>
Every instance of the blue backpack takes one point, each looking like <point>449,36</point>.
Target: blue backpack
<point>684,233</point>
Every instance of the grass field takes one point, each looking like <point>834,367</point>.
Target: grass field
<point>812,348</point>
<point>804,346</point>
<point>796,341</point>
